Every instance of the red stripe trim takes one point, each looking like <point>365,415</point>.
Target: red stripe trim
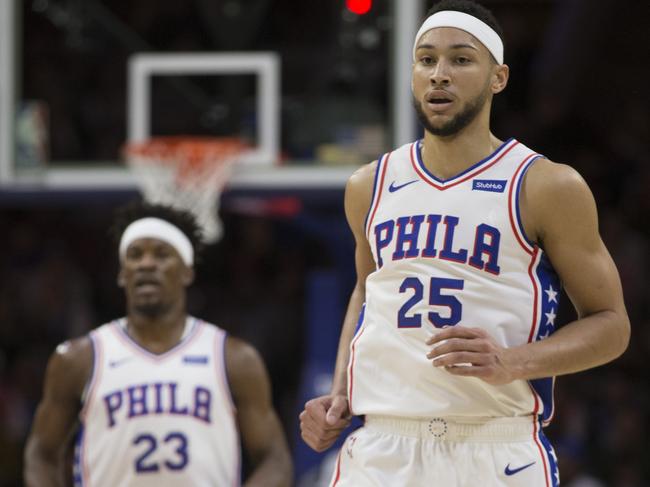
<point>351,367</point>
<point>512,204</point>
<point>471,175</point>
<point>541,450</point>
<point>535,293</point>
<point>375,203</point>
<point>535,320</point>
<point>337,475</point>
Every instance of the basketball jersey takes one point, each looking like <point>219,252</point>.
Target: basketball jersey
<point>158,420</point>
<point>449,252</point>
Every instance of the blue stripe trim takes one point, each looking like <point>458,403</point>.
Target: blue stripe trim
<point>544,389</point>
<point>548,281</point>
<point>77,465</point>
<point>360,320</point>
<point>554,472</point>
<point>517,210</point>
<point>374,190</point>
<point>418,156</point>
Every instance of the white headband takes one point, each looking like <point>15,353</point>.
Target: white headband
<point>161,230</point>
<point>470,24</point>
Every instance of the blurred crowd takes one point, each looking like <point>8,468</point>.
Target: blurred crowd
<point>578,94</point>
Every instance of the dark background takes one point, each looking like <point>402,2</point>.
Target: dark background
<point>578,94</point>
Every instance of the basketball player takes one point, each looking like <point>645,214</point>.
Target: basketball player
<point>449,347</point>
<point>157,398</point>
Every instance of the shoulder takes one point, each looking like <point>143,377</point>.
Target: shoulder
<point>362,180</point>
<point>546,178</point>
<point>77,352</point>
<point>552,189</point>
<point>240,352</point>
<point>244,367</point>
<point>71,364</point>
<point>358,194</point>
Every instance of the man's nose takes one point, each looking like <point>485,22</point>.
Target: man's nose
<point>147,260</point>
<point>440,74</point>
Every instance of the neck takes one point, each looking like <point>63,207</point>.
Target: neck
<point>445,157</point>
<point>157,334</point>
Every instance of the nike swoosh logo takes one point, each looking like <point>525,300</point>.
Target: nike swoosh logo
<point>117,363</point>
<point>513,471</point>
<point>393,187</point>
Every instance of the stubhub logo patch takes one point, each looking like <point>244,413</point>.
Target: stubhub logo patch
<point>494,185</point>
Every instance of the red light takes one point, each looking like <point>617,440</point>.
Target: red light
<point>359,7</point>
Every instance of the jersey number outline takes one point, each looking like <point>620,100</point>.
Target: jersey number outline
<point>436,298</point>
<point>142,465</point>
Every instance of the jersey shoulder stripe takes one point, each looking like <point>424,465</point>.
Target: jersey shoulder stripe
<point>380,176</point>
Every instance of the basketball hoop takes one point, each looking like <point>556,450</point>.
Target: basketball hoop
<point>187,173</point>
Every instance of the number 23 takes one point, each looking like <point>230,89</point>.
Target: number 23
<point>143,464</point>
<point>436,298</point>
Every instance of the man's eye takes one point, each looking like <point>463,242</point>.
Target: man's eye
<point>463,60</point>
<point>163,253</point>
<point>427,60</point>
<point>133,254</point>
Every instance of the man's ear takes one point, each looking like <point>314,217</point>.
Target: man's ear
<point>121,279</point>
<point>188,276</point>
<point>500,78</point>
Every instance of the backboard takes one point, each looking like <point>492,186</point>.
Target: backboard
<point>317,90</point>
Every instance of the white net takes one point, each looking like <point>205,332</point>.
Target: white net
<point>187,174</point>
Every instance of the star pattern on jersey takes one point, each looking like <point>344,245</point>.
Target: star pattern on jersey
<point>550,317</point>
<point>547,326</point>
<point>551,293</point>
<point>547,289</point>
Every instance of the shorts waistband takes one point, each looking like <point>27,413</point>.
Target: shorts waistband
<point>456,429</point>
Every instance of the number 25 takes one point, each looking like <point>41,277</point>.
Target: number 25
<point>436,298</point>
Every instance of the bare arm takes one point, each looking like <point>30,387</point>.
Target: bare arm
<point>262,435</point>
<point>560,213</point>
<point>325,417</point>
<point>564,219</point>
<point>67,372</point>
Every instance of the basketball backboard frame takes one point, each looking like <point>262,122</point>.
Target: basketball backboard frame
<point>264,65</point>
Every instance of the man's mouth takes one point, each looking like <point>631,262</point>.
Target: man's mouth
<point>146,282</point>
<point>439,98</point>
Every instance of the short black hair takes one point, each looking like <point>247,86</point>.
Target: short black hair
<point>184,220</point>
<point>469,7</point>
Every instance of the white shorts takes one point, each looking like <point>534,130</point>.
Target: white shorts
<point>399,452</point>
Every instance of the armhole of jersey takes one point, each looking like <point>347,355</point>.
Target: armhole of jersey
<point>514,206</point>
<point>378,184</point>
<point>222,369</point>
<point>95,375</point>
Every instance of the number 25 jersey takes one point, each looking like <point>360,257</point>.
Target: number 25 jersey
<point>447,253</point>
<point>158,420</point>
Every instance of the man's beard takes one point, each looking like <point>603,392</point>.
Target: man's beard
<point>151,310</point>
<point>457,123</point>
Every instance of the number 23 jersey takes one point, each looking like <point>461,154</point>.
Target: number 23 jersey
<point>449,252</point>
<point>158,420</point>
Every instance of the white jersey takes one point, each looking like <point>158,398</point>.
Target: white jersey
<point>448,253</point>
<point>158,420</point>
